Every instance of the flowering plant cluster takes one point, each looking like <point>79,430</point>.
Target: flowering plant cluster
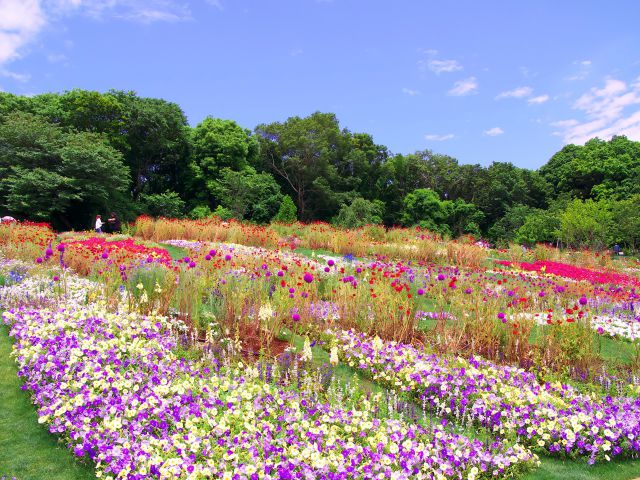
<point>98,246</point>
<point>111,386</point>
<point>573,272</point>
<point>554,418</point>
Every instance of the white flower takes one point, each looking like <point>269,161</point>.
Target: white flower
<point>334,356</point>
<point>307,354</point>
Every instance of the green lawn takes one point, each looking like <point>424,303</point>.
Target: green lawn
<point>175,252</point>
<point>27,450</point>
<point>554,469</point>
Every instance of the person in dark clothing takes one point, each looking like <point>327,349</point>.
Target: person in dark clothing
<point>113,223</point>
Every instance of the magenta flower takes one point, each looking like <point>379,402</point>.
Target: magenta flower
<point>308,277</point>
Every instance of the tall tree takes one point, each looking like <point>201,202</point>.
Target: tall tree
<point>306,155</point>
<point>49,174</point>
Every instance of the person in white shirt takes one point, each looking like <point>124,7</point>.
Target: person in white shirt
<point>98,224</point>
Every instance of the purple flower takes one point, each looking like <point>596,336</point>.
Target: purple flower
<point>441,277</point>
<point>308,277</point>
<point>583,300</point>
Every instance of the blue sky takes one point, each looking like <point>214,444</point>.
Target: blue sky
<point>481,81</point>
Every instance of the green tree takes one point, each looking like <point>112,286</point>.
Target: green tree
<point>599,169</point>
<point>218,144</point>
<point>626,219</point>
<point>586,223</point>
<point>167,204</point>
<point>359,213</point>
<point>287,212</point>
<point>49,174</point>
<point>307,155</point>
<point>156,144</point>
<point>247,194</point>
<point>463,217</point>
<point>423,207</point>
<point>504,230</point>
<point>539,226</point>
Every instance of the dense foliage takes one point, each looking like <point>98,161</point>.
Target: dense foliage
<point>66,157</point>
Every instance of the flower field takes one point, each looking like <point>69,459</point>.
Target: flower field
<point>304,351</point>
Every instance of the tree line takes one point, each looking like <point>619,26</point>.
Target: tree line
<point>65,157</point>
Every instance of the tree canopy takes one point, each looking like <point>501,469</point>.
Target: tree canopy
<point>65,157</point>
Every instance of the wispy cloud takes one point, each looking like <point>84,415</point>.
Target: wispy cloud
<point>295,52</point>
<point>22,20</point>
<point>444,66</point>
<point>411,93</point>
<point>608,111</point>
<point>582,72</point>
<point>216,3</point>
<point>143,11</point>
<point>438,65</point>
<point>493,132</point>
<point>464,87</point>
<point>18,77</point>
<point>56,58</point>
<point>439,138</point>
<point>520,92</point>
<point>538,100</point>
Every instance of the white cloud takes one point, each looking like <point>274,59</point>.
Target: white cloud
<point>295,52</point>
<point>22,20</point>
<point>494,132</point>
<point>608,111</point>
<point>438,65</point>
<point>519,92</point>
<point>538,100</point>
<point>411,93</point>
<point>439,138</point>
<point>464,87</point>
<point>443,66</point>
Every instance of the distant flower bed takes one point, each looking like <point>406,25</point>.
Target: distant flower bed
<point>98,248</point>
<point>573,272</point>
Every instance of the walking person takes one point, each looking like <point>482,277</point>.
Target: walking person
<point>99,224</point>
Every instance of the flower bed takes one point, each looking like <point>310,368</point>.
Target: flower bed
<point>573,272</point>
<point>552,418</point>
<point>110,385</point>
